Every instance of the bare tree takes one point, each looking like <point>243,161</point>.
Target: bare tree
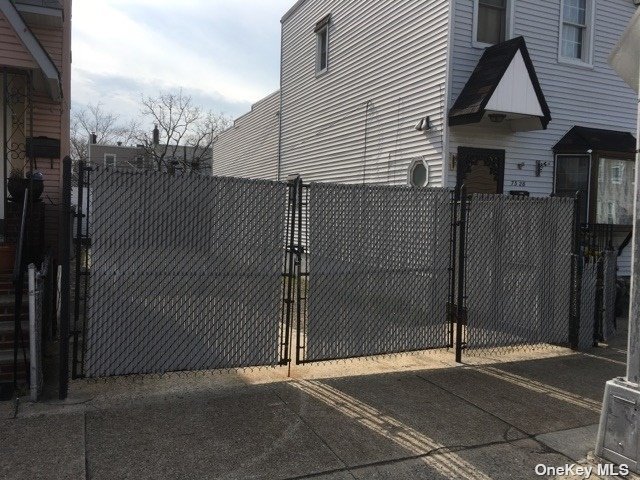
<point>183,133</point>
<point>106,125</point>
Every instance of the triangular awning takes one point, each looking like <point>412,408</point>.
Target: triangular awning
<point>505,83</point>
<point>42,59</point>
<point>582,139</point>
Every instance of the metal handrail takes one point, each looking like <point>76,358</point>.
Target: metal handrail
<point>18,278</point>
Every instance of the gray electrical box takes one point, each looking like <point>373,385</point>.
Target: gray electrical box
<point>618,432</point>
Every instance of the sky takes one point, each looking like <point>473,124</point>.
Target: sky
<point>225,54</point>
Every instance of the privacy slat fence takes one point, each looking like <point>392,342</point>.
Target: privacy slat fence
<point>378,274</point>
<point>187,273</point>
<point>518,271</point>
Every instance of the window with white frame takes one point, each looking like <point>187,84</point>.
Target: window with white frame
<point>109,160</point>
<point>322,48</point>
<point>491,21</point>
<point>576,26</point>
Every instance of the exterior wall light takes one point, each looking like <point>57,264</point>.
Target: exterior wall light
<point>497,117</point>
<point>424,124</point>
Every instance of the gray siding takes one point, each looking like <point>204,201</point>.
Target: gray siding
<point>387,69</point>
<point>250,147</point>
<point>592,97</point>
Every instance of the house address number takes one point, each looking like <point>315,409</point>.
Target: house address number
<point>518,183</point>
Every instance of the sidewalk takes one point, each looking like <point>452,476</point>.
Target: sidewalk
<point>481,421</point>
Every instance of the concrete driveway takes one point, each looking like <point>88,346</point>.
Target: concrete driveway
<point>490,420</point>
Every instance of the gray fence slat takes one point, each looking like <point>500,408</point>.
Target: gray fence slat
<point>378,270</point>
<point>186,273</point>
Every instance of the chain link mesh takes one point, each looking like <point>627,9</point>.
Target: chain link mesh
<point>609,287</point>
<point>185,273</point>
<point>378,270</point>
<point>518,272</point>
<point>588,286</point>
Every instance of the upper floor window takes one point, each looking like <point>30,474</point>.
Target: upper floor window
<point>491,21</point>
<point>576,35</point>
<point>109,160</point>
<point>322,49</point>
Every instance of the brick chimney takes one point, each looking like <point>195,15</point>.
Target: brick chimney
<point>156,135</point>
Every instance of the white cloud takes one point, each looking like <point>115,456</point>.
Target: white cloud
<point>226,50</point>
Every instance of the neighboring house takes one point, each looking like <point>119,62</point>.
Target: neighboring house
<point>138,158</point>
<point>503,96</point>
<point>35,63</point>
<point>250,147</point>
<point>120,157</point>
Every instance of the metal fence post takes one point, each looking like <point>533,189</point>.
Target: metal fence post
<point>288,288</point>
<point>453,251</point>
<point>34,331</point>
<point>460,302</point>
<point>65,254</point>
<point>80,213</point>
<point>576,274</point>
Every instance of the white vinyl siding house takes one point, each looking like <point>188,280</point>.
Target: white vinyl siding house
<point>369,92</point>
<point>386,70</point>
<point>250,147</point>
<point>591,96</point>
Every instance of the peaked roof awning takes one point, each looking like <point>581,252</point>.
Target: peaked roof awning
<point>582,139</point>
<point>47,67</point>
<point>504,82</point>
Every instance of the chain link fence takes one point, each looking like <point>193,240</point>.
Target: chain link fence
<point>189,273</point>
<point>184,273</point>
<point>588,282</point>
<point>609,288</point>
<point>518,272</point>
<point>378,271</point>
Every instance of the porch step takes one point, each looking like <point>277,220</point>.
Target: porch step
<point>7,334</point>
<point>6,367</point>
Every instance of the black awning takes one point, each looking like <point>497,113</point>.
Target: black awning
<point>472,101</point>
<point>581,139</point>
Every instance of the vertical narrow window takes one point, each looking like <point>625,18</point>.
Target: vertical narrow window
<point>322,49</point>
<point>572,175</point>
<point>575,35</point>
<point>491,21</point>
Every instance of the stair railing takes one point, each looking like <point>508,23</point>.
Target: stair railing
<point>18,284</point>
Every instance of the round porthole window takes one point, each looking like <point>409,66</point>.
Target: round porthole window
<point>419,173</point>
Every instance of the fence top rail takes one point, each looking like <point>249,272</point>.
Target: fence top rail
<point>360,186</point>
<point>151,173</point>
<point>490,197</point>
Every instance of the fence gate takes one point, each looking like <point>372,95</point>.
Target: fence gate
<point>377,271</point>
<point>517,255</point>
<point>183,273</point>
